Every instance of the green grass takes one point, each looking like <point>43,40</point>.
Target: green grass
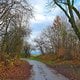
<point>38,59</point>
<point>34,58</point>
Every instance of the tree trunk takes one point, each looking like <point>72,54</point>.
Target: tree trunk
<point>72,20</point>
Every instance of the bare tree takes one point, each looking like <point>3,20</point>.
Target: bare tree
<point>69,4</point>
<point>60,40</point>
<point>13,26</point>
<point>39,44</point>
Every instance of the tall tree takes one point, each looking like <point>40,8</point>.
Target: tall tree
<point>70,15</point>
<point>13,25</point>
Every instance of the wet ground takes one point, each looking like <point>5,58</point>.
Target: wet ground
<point>41,72</point>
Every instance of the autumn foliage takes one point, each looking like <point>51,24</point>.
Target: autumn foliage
<point>19,71</point>
<point>61,48</point>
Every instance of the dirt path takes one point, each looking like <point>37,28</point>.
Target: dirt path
<point>41,72</point>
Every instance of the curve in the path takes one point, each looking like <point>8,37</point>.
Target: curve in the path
<point>41,72</point>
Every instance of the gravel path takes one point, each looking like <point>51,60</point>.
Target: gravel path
<point>41,72</point>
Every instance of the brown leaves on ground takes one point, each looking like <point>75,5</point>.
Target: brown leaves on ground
<point>19,71</point>
<point>69,68</point>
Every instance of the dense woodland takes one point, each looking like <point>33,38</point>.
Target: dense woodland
<point>13,27</point>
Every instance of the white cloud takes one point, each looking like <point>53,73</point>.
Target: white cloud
<point>38,8</point>
<point>41,16</point>
<point>38,18</point>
